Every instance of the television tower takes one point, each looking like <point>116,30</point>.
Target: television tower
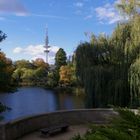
<point>46,46</point>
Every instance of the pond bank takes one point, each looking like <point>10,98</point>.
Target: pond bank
<point>11,130</point>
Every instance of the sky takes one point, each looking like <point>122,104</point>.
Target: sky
<point>25,23</point>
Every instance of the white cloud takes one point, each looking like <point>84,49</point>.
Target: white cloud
<point>30,50</point>
<point>17,50</point>
<point>79,4</point>
<point>37,51</point>
<point>108,13</point>
<point>12,7</point>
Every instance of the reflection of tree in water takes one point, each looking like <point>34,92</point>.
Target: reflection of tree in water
<point>69,101</point>
<point>3,108</point>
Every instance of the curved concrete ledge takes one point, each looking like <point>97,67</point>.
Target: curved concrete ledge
<point>19,127</point>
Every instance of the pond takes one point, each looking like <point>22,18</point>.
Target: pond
<point>34,100</point>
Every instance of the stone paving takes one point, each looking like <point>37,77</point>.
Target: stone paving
<point>72,130</point>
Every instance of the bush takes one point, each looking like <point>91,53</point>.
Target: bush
<point>125,126</point>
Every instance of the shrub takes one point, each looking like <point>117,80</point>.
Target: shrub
<point>125,126</point>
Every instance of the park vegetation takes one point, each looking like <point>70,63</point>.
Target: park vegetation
<point>6,68</point>
<point>106,67</point>
<point>39,73</point>
<point>36,72</point>
<point>124,126</point>
<point>109,66</point>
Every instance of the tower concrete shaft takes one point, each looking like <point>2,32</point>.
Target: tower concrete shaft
<point>47,46</point>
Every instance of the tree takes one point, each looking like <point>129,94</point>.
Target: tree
<point>108,67</point>
<point>60,58</point>
<point>31,73</point>
<point>52,80</point>
<point>40,76</point>
<point>23,64</point>
<point>93,70</point>
<point>135,83</point>
<point>65,75</point>
<point>128,7</point>
<point>39,62</point>
<point>41,71</point>
<point>6,70</point>
<point>27,75</point>
<point>17,75</point>
<point>2,36</point>
<point>20,68</point>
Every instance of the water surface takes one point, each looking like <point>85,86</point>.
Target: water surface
<point>35,100</point>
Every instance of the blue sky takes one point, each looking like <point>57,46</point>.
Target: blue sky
<point>25,22</point>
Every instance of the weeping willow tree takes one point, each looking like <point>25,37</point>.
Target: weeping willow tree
<point>107,66</point>
<point>128,7</point>
<point>135,83</point>
<point>99,68</point>
<point>93,70</point>
<point>134,72</point>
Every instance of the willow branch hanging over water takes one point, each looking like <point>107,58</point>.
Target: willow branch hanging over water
<point>109,67</point>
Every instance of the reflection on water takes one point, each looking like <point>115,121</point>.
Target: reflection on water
<point>34,100</point>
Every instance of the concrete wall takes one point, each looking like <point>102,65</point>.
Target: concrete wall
<point>19,127</point>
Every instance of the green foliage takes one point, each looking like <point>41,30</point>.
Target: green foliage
<point>23,64</point>
<point>27,73</point>
<point>67,75</point>
<point>6,70</point>
<point>135,83</point>
<point>124,126</point>
<point>94,67</point>
<point>128,7</point>
<point>40,76</point>
<point>52,79</point>
<point>107,66</point>
<point>17,74</point>
<point>60,58</point>
<point>39,62</point>
<point>2,36</point>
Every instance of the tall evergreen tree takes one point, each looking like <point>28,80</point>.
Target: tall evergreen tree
<point>60,58</point>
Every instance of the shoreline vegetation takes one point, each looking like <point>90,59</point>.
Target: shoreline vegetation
<point>104,70</point>
<point>107,67</point>
<point>125,126</point>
